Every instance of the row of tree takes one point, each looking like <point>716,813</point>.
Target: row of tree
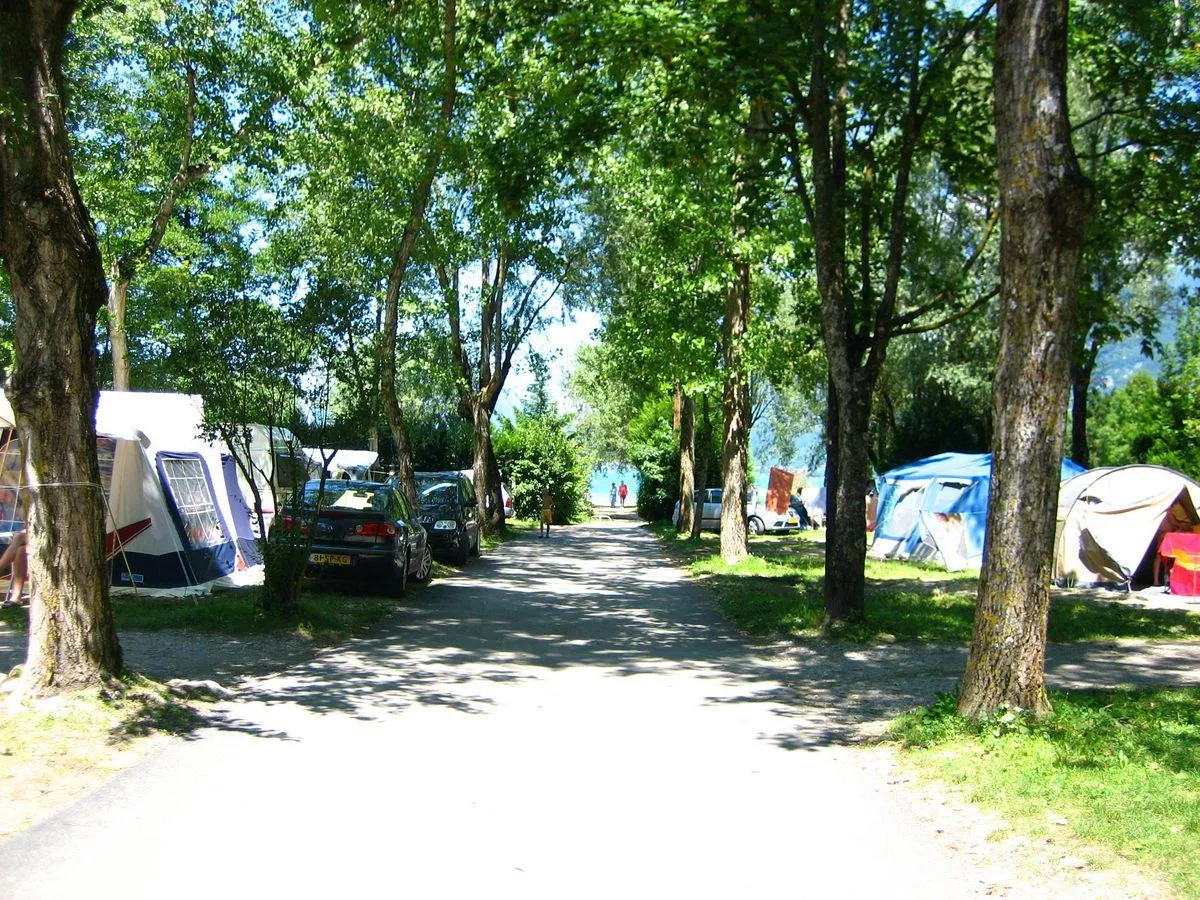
<point>386,201</point>
<point>303,210</point>
<point>839,170</point>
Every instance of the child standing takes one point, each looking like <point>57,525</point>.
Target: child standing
<point>547,512</point>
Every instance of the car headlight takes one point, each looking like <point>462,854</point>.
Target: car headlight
<point>445,525</point>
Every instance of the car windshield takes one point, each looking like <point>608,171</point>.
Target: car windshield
<point>349,496</point>
<point>436,490</point>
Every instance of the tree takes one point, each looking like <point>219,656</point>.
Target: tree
<point>1156,421</point>
<point>507,218</point>
<point>56,277</point>
<point>539,452</point>
<point>665,268</point>
<point>210,77</point>
<point>934,393</point>
<point>1046,204</point>
<point>1133,74</point>
<point>408,242</point>
<point>870,102</point>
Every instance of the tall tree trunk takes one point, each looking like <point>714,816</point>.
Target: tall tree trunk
<point>687,463</point>
<point>735,404</point>
<point>1046,204</point>
<point>388,393</point>
<point>57,281</point>
<point>125,268</point>
<point>486,473</point>
<point>1082,370</point>
<point>404,250</point>
<point>1081,383</point>
<point>118,336</point>
<point>847,474</point>
<point>703,446</point>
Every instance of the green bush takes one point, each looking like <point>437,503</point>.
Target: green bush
<point>536,452</point>
<point>654,452</point>
<point>285,557</point>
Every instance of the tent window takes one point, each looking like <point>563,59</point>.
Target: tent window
<point>105,453</point>
<point>906,513</point>
<point>194,501</point>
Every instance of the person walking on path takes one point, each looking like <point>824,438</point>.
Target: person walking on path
<point>623,492</point>
<point>547,512</point>
<point>612,495</point>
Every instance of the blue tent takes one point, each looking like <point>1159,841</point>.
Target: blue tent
<point>938,507</point>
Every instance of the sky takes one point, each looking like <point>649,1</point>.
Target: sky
<point>558,343</point>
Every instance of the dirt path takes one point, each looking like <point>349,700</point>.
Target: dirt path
<point>571,717</point>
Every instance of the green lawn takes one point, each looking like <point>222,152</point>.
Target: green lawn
<point>778,591</point>
<point>325,617</point>
<point>1122,768</point>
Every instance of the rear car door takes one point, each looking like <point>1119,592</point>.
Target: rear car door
<point>712,509</point>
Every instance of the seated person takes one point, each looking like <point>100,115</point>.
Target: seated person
<point>14,558</point>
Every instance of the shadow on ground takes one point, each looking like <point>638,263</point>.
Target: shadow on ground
<point>601,597</point>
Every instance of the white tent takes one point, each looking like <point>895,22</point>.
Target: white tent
<point>353,464</point>
<point>277,463</point>
<point>1111,520</point>
<point>176,519</point>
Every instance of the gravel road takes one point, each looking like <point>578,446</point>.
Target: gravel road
<point>570,717</point>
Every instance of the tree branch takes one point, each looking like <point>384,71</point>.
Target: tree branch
<point>962,313</point>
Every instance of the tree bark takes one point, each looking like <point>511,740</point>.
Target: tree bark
<point>703,446</point>
<point>687,463</point>
<point>735,401</point>
<point>846,507</point>
<point>388,392</point>
<point>1046,204</point>
<point>1081,385</point>
<point>118,297</point>
<point>735,404</point>
<point>57,282</point>
<point>486,473</point>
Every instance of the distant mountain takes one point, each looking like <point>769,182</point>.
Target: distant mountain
<point>1117,362</point>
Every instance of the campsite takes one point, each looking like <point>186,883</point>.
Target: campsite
<point>802,400</point>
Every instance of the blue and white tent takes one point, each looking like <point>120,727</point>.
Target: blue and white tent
<point>937,507</point>
<point>176,520</point>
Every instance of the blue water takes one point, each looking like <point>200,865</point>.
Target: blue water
<point>605,477</point>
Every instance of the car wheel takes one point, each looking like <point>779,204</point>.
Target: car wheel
<point>398,577</point>
<point>756,525</point>
<point>475,549</point>
<point>424,570</point>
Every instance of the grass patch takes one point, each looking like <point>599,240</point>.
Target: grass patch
<point>513,529</point>
<point>54,749</point>
<point>324,618</point>
<point>1121,767</point>
<point>779,591</point>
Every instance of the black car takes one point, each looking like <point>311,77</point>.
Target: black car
<point>450,514</point>
<point>366,530</point>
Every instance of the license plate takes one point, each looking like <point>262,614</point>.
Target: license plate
<point>330,559</point>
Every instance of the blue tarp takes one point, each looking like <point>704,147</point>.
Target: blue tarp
<point>938,506</point>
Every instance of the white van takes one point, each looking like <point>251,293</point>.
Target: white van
<point>759,519</point>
